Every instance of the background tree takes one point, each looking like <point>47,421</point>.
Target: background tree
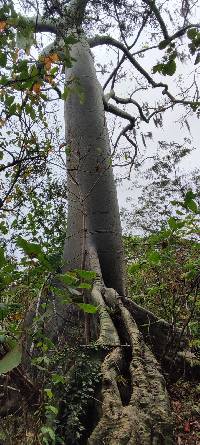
<point>138,413</point>
<point>161,186</point>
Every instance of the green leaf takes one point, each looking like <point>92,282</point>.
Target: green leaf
<point>133,268</point>
<point>2,257</point>
<point>154,257</point>
<point>54,70</point>
<point>158,68</point>
<point>57,378</point>
<point>192,33</point>
<point>86,274</point>
<point>11,360</point>
<point>3,59</point>
<point>175,203</point>
<point>189,195</point>
<point>9,100</point>
<point>25,38</point>
<point>195,106</point>
<point>13,109</point>
<point>84,286</point>
<point>69,278</point>
<point>88,308</point>
<point>5,309</point>
<point>31,249</point>
<point>66,93</point>
<point>48,392</point>
<point>71,40</point>
<point>2,338</point>
<point>192,205</point>
<point>172,223</point>
<point>64,298</point>
<point>175,223</point>
<point>52,409</point>
<point>170,68</point>
<point>49,431</point>
<point>163,44</point>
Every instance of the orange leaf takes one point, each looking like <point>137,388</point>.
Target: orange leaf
<point>48,60</point>
<point>48,79</point>
<point>2,122</point>
<point>15,317</point>
<point>36,87</point>
<point>2,26</point>
<point>8,199</point>
<point>47,63</point>
<point>54,58</point>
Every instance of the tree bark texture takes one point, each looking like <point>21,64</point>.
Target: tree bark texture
<point>93,207</point>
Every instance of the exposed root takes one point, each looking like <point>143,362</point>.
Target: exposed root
<point>145,420</point>
<point>149,396</point>
<point>183,364</point>
<point>108,333</point>
<point>159,333</point>
<point>134,402</point>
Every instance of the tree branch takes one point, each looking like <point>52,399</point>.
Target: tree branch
<point>108,40</point>
<point>181,32</point>
<point>39,23</point>
<point>43,25</point>
<point>120,62</point>
<point>114,72</point>
<point>117,111</point>
<point>129,100</point>
<point>158,16</point>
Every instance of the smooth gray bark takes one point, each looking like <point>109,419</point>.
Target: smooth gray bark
<point>93,207</point>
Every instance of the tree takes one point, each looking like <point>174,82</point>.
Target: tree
<point>132,394</point>
<point>162,186</point>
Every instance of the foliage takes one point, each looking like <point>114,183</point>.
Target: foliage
<point>78,395</point>
<point>165,190</point>
<point>164,271</point>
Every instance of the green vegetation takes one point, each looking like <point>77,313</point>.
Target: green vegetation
<point>60,384</point>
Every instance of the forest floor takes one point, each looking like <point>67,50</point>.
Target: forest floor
<point>184,398</point>
<point>185,402</point>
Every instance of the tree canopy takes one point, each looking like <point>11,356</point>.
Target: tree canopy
<point>77,349</point>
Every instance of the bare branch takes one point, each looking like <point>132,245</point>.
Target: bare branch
<point>158,16</point>
<point>128,127</point>
<point>107,40</point>
<point>114,72</point>
<point>42,24</point>
<point>117,111</point>
<point>181,32</point>
<point>129,100</point>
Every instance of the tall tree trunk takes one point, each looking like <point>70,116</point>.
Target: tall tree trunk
<point>139,412</point>
<point>93,207</point>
